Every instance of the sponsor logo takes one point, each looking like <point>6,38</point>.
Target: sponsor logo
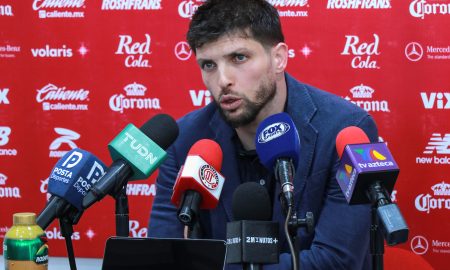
<point>135,51</point>
<point>90,234</point>
<point>44,188</point>
<point>141,190</point>
<point>182,51</point>
<point>8,192</point>
<point>54,98</point>
<point>419,245</point>
<point>140,149</point>
<point>362,97</point>
<point>439,146</point>
<point>414,51</point>
<point>428,202</point>
<point>131,5</point>
<point>9,51</point>
<point>67,9</point>
<point>67,137</point>
<point>363,52</point>
<point>4,96</point>
<point>359,4</point>
<point>187,8</point>
<point>273,131</point>
<point>373,158</point>
<point>55,234</point>
<point>4,139</point>
<point>209,176</point>
<point>47,51</point>
<point>200,97</point>
<point>436,100</point>
<point>260,240</point>
<point>136,230</point>
<point>133,99</point>
<point>291,8</point>
<point>420,8</point>
<point>6,10</point>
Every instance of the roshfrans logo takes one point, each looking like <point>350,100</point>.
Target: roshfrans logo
<point>436,100</point>
<point>273,131</point>
<point>359,4</point>
<point>438,145</point>
<point>187,8</point>
<point>59,8</point>
<point>134,99</point>
<point>362,51</point>
<point>146,190</point>
<point>285,7</point>
<point>362,97</point>
<point>8,192</point>
<point>6,10</point>
<point>420,8</point>
<point>67,137</point>
<point>209,177</point>
<point>4,139</point>
<point>131,4</point>
<point>428,202</point>
<point>135,51</point>
<point>57,98</point>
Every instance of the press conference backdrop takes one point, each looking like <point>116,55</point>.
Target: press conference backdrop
<point>74,73</point>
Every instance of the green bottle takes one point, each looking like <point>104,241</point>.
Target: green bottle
<point>25,244</point>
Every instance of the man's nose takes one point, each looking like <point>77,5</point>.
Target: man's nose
<point>225,77</point>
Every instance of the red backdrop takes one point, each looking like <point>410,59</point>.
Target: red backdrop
<point>68,68</point>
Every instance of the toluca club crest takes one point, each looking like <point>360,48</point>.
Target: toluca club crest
<point>208,176</point>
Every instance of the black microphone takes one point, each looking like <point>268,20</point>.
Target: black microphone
<point>252,239</point>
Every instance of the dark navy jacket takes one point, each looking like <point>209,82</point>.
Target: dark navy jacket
<point>341,236</point>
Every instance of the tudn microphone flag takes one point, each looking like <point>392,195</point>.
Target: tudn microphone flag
<point>71,178</point>
<point>136,154</point>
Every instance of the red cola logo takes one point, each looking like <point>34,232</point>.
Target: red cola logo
<point>209,177</point>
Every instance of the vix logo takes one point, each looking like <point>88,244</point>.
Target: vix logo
<point>369,154</point>
<point>435,100</point>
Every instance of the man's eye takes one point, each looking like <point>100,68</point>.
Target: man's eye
<point>240,57</point>
<point>208,66</point>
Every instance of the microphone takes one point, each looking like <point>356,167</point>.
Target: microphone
<point>199,183</point>
<point>252,239</point>
<point>278,147</point>
<point>71,178</point>
<point>136,153</point>
<point>367,174</point>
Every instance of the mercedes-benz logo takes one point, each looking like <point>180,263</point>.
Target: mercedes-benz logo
<point>414,51</point>
<point>419,245</point>
<point>183,51</point>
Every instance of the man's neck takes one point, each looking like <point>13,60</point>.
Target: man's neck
<point>247,133</point>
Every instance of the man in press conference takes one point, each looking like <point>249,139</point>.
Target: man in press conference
<point>240,49</point>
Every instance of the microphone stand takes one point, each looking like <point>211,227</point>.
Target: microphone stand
<point>188,213</point>
<point>122,212</point>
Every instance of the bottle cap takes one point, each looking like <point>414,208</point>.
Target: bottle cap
<point>24,219</point>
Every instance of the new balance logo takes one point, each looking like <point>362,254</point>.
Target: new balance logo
<point>435,100</point>
<point>439,144</point>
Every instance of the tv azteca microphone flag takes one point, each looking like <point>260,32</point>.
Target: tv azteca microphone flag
<point>361,165</point>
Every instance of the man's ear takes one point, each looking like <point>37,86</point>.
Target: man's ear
<point>280,57</point>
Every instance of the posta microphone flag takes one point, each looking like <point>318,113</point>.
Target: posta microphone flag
<point>136,154</point>
<point>200,173</point>
<point>69,182</point>
<point>362,164</point>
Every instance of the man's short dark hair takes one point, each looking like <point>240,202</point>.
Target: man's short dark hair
<point>256,19</point>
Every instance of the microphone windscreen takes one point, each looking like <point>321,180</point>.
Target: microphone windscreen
<point>350,135</point>
<point>161,129</point>
<point>277,137</point>
<point>209,151</point>
<point>251,201</point>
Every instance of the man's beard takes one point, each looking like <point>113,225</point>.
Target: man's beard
<point>251,109</point>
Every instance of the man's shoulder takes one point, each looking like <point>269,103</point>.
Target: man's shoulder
<point>199,118</point>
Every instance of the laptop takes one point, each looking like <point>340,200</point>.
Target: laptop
<point>125,253</point>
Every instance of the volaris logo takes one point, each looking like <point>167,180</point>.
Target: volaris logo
<point>370,154</point>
